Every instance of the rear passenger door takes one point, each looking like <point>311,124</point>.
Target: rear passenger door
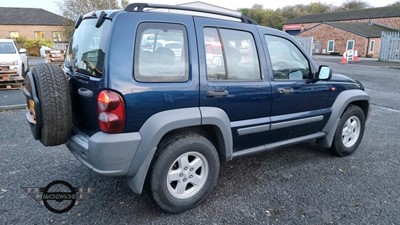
<point>231,78</point>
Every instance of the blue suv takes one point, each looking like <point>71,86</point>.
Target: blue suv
<point>163,98</point>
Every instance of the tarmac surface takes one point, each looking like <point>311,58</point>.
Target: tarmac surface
<point>296,185</point>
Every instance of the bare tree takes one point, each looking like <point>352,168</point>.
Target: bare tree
<point>395,4</point>
<point>124,3</point>
<point>353,4</point>
<point>72,9</point>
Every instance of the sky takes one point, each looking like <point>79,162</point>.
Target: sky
<point>50,5</point>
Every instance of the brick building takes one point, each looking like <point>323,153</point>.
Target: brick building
<point>336,32</point>
<point>31,23</point>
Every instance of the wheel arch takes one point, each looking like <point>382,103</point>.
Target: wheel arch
<point>342,102</point>
<point>213,123</point>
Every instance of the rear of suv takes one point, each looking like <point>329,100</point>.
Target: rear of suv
<point>163,98</point>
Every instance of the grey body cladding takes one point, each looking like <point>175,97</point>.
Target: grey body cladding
<point>338,107</point>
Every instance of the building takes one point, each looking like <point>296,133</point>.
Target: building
<point>336,32</point>
<point>31,23</point>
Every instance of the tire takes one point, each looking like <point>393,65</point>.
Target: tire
<point>55,104</point>
<point>184,173</point>
<point>346,140</point>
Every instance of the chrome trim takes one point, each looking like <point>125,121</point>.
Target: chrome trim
<point>252,130</point>
<point>291,123</point>
<point>243,123</point>
<point>267,127</point>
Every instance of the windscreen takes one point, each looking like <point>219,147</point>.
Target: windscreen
<point>7,48</point>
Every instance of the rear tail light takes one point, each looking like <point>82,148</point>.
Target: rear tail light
<point>111,110</point>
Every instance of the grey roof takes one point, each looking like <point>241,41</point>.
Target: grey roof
<point>368,30</point>
<point>29,16</point>
<point>371,13</point>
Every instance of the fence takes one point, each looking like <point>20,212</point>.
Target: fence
<point>390,46</point>
<point>306,43</point>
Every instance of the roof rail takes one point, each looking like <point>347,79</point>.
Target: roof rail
<point>139,7</point>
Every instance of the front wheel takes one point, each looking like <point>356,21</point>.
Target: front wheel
<point>349,132</point>
<point>184,173</point>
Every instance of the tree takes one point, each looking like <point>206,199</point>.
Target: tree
<point>72,9</point>
<point>291,12</point>
<point>353,4</point>
<point>276,18</point>
<point>395,4</point>
<point>265,17</point>
<point>318,7</point>
<point>124,3</point>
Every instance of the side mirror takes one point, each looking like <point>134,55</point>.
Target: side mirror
<point>22,51</point>
<point>324,73</point>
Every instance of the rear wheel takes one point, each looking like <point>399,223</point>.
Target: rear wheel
<point>349,132</point>
<point>184,173</point>
<point>55,122</point>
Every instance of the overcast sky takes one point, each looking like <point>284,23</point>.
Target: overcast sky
<point>51,6</point>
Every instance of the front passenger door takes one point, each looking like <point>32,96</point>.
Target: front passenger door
<point>300,105</point>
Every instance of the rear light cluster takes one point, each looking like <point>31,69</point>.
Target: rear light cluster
<point>111,110</point>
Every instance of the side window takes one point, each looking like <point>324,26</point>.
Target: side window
<point>161,53</point>
<point>231,55</point>
<point>288,63</point>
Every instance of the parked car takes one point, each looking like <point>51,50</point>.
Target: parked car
<point>169,120</point>
<point>11,58</point>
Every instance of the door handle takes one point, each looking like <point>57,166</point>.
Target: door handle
<point>217,93</point>
<point>85,92</point>
<point>285,91</point>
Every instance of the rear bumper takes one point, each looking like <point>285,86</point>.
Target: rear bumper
<point>106,154</point>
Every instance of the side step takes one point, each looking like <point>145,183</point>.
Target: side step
<point>275,145</point>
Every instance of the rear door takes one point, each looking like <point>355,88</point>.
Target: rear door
<point>84,66</point>
<point>232,79</point>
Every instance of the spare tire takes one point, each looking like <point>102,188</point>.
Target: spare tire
<point>50,116</point>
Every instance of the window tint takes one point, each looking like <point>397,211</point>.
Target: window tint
<point>161,53</point>
<point>288,63</point>
<point>231,55</point>
<point>86,50</point>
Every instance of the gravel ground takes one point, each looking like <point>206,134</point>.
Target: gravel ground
<point>11,97</point>
<point>297,185</point>
<point>16,97</point>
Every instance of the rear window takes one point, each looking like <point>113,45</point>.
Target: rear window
<point>7,48</point>
<point>86,50</point>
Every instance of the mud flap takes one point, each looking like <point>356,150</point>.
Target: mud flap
<point>33,116</point>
